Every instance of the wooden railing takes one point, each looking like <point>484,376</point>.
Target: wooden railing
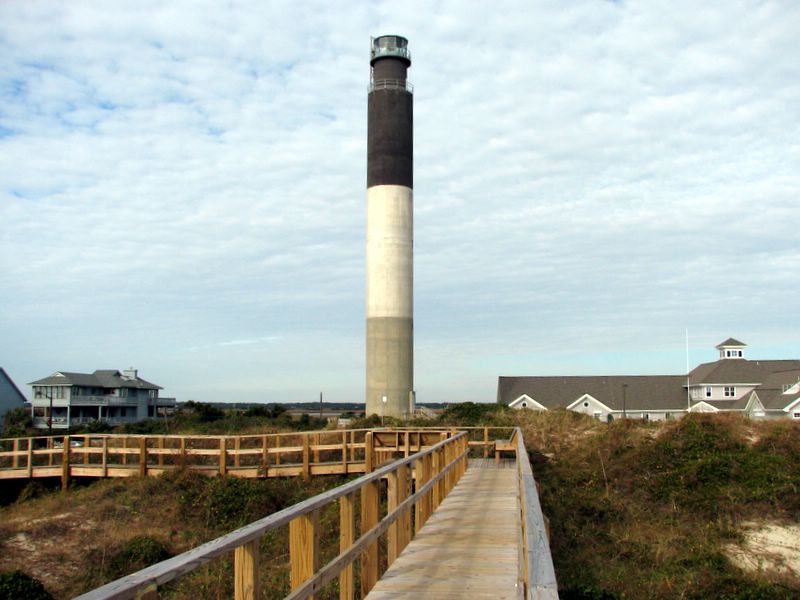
<point>415,486</point>
<point>266,455</point>
<point>537,574</point>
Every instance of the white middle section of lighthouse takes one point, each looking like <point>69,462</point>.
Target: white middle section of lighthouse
<point>390,251</point>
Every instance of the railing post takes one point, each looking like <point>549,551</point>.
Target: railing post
<point>30,457</point>
<point>420,514</point>
<point>277,446</point>
<point>86,454</point>
<point>104,460</point>
<point>436,492</point>
<point>15,449</point>
<point>368,452</point>
<point>485,442</point>
<point>161,454</point>
<point>344,452</point>
<point>303,548</point>
<point>65,464</point>
<point>246,584</point>
<point>404,522</point>
<point>124,447</point>
<point>265,455</point>
<point>407,449</point>
<point>370,505</point>
<point>346,538</point>
<point>317,442</point>
<point>306,457</point>
<point>143,456</point>
<point>223,456</point>
<point>237,444</point>
<point>392,535</point>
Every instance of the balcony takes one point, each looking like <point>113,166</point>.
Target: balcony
<point>103,401</point>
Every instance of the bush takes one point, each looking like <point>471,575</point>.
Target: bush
<point>17,422</point>
<point>15,585</point>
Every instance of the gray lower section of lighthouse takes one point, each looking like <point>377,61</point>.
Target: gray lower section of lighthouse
<point>390,366</point>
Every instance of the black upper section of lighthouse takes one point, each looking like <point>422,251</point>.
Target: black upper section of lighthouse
<point>390,114</point>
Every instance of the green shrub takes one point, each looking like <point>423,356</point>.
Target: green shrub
<point>16,585</point>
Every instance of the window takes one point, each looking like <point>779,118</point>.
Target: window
<point>646,416</point>
<point>524,405</point>
<point>586,405</point>
<point>708,391</point>
<point>796,415</point>
<point>729,391</point>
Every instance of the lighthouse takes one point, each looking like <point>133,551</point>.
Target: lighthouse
<point>390,230</point>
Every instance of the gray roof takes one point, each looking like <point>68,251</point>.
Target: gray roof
<point>740,370</point>
<point>107,378</point>
<point>772,399</point>
<point>643,392</point>
<point>11,387</point>
<point>730,342</point>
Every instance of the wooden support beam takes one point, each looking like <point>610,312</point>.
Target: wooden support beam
<point>317,442</point>
<point>277,445</point>
<point>370,506</point>
<point>65,464</point>
<point>306,458</point>
<point>15,456</point>
<point>86,450</point>
<point>436,468</point>
<point>407,448</point>
<point>30,457</point>
<point>485,442</point>
<point>303,548</point>
<point>246,582</point>
<point>368,453</point>
<point>237,444</point>
<point>347,534</point>
<point>392,536</point>
<point>265,455</point>
<point>143,456</point>
<point>344,452</point>
<point>104,459</point>
<point>404,522</point>
<point>160,447</point>
<point>223,456</point>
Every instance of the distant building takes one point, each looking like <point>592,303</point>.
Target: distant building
<point>757,388</point>
<point>11,396</point>
<point>110,396</point>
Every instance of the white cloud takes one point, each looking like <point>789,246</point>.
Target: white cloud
<point>591,177</point>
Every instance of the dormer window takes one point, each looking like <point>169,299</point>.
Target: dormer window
<point>708,391</point>
<point>729,391</point>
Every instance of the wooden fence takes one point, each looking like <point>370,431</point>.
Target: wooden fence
<point>415,485</point>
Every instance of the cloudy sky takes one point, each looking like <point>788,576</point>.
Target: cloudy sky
<point>182,190</point>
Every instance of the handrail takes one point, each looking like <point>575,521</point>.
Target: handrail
<point>448,456</point>
<point>539,576</point>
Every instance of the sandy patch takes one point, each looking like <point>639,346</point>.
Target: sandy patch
<point>768,547</point>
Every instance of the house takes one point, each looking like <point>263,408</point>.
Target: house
<point>116,397</point>
<point>757,388</point>
<point>10,396</point>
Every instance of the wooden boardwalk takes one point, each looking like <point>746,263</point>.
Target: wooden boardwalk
<point>471,545</point>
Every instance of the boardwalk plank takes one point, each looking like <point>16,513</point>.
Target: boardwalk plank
<point>470,546</point>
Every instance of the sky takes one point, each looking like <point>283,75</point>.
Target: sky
<point>183,190</point>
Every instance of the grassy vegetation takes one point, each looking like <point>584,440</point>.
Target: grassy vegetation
<point>646,510</point>
<point>636,510</point>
